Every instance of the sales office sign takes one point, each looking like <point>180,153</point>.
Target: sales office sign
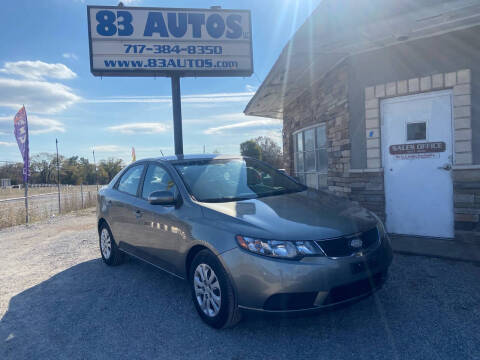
<point>137,41</point>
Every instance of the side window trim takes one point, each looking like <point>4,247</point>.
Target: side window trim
<point>142,184</point>
<point>142,179</point>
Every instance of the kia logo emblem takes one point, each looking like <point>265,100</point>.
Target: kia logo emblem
<point>356,243</point>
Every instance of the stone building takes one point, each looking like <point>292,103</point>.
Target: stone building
<point>380,102</point>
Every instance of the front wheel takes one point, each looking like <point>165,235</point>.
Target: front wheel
<point>111,255</point>
<point>212,291</point>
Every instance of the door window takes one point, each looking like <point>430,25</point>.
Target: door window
<point>417,131</point>
<point>130,180</point>
<point>157,179</point>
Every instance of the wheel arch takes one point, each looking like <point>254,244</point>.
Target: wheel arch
<point>100,222</point>
<point>192,252</point>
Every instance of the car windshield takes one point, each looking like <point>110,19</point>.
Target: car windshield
<point>222,180</point>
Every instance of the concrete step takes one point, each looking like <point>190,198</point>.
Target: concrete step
<point>443,248</point>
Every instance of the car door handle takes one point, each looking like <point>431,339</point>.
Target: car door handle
<point>138,213</point>
<point>446,167</point>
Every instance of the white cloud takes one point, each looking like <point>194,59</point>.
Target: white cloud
<point>5,143</point>
<point>234,97</point>
<point>38,96</point>
<point>38,125</point>
<point>71,56</point>
<point>260,122</point>
<point>251,88</point>
<point>139,128</point>
<point>38,70</point>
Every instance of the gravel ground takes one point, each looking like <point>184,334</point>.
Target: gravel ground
<point>59,301</point>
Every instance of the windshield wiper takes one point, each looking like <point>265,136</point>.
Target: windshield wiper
<point>227,199</point>
<point>279,192</point>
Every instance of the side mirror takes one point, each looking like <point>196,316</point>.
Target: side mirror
<point>162,198</point>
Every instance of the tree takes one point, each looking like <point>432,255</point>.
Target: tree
<point>43,169</point>
<point>107,169</point>
<point>263,148</point>
<point>12,171</point>
<point>87,171</point>
<point>251,148</point>
<point>73,170</point>
<point>271,152</point>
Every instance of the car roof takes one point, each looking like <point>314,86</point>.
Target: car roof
<point>189,157</point>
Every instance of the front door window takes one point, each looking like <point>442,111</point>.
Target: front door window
<point>157,179</point>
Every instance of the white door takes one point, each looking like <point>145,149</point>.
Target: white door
<point>417,160</point>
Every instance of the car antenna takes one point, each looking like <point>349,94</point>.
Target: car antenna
<point>161,152</point>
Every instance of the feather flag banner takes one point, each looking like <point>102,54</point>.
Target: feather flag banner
<point>21,134</point>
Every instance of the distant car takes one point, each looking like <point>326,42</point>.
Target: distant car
<point>245,236</point>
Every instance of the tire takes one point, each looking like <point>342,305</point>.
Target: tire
<point>227,314</point>
<point>109,250</point>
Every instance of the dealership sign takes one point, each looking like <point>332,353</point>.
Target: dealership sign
<point>137,41</point>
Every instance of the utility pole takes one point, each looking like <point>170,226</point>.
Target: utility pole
<point>95,164</point>
<point>58,179</point>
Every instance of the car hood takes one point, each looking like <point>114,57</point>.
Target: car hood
<point>306,215</point>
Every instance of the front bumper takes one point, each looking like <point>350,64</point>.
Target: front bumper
<point>275,285</point>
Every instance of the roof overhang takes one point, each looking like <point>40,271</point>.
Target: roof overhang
<point>338,29</point>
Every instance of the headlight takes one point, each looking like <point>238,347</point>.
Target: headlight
<point>279,249</point>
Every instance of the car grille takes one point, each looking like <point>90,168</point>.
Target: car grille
<point>339,247</point>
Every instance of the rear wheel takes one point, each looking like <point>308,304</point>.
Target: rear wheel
<point>111,255</point>
<point>212,291</point>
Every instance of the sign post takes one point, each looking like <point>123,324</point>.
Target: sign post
<point>175,43</point>
<point>95,164</point>
<point>177,115</point>
<point>58,179</point>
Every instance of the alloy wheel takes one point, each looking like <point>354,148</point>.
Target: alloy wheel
<point>105,243</point>
<point>207,290</point>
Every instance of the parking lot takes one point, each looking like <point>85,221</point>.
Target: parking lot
<point>59,301</point>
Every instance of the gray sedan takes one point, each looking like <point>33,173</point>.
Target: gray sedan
<point>245,236</point>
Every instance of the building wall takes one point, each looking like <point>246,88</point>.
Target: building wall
<point>340,100</point>
<point>445,53</point>
<point>445,61</point>
<point>324,101</point>
<point>466,188</point>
